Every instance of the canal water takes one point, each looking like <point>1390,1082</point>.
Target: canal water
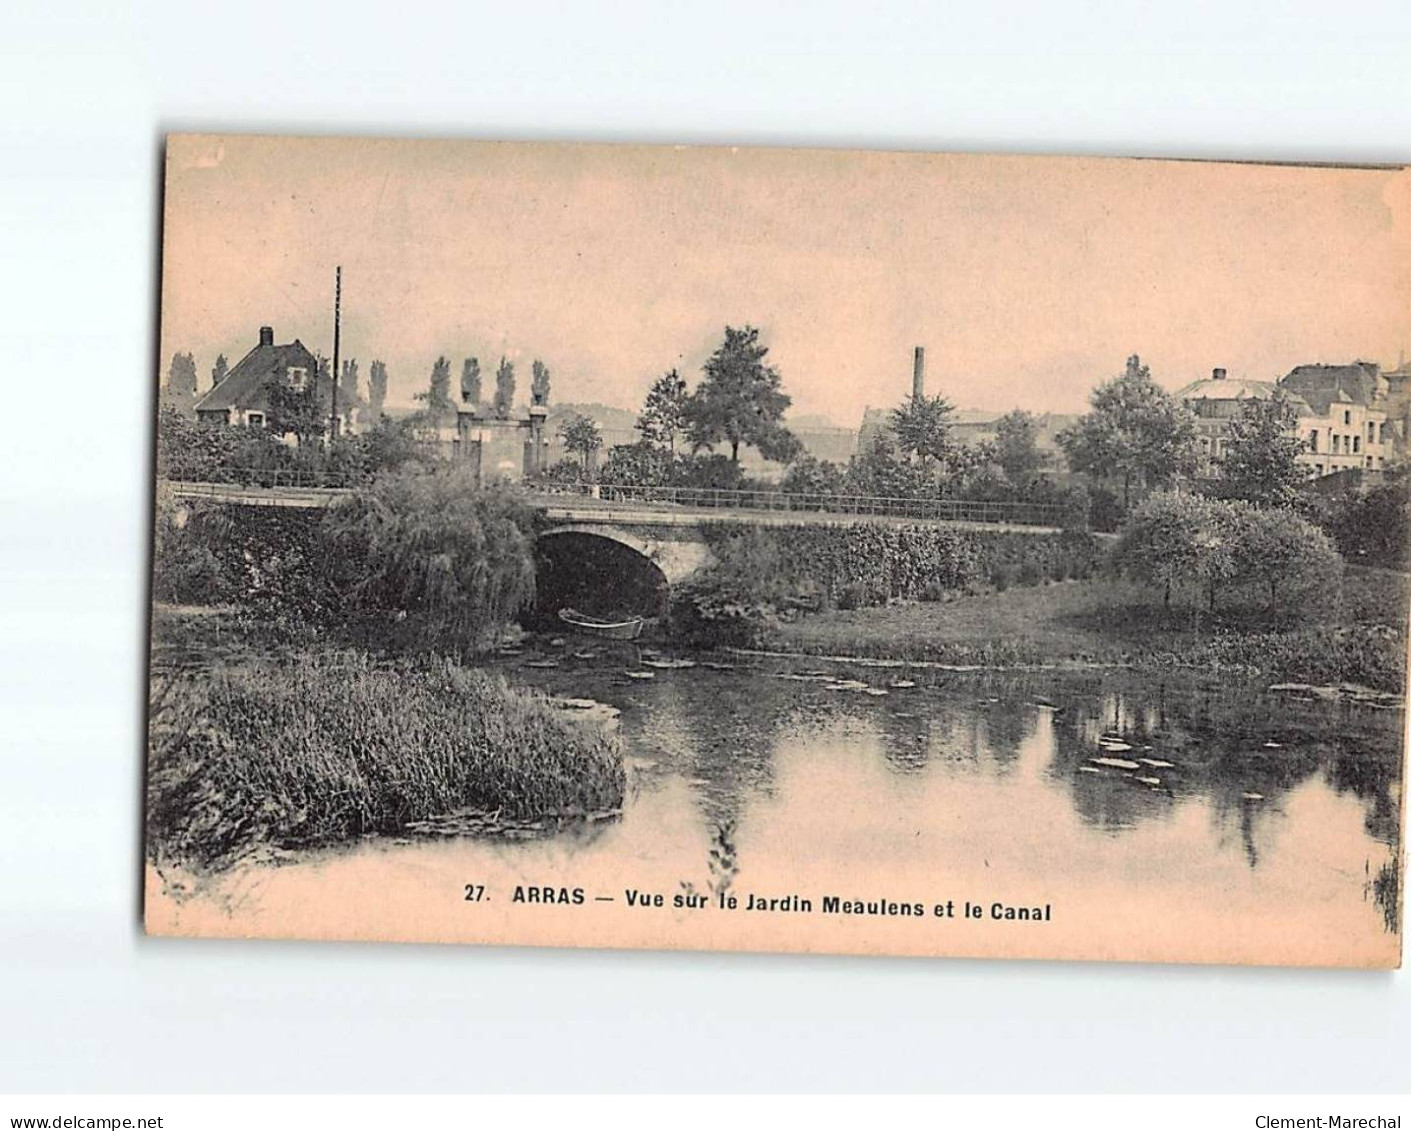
<point>1083,814</point>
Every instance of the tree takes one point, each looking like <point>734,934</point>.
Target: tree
<point>580,434</point>
<point>740,401</point>
<point>376,389</point>
<point>470,381</point>
<point>1260,463</point>
<point>297,412</point>
<point>438,391</point>
<point>348,394</point>
<point>1136,432</point>
<point>180,391</point>
<point>386,446</point>
<point>882,470</point>
<point>219,370</point>
<point>1017,447</point>
<point>504,389</point>
<point>1161,540</point>
<point>1286,554</point>
<point>539,383</point>
<point>664,411</point>
<point>967,464</point>
<point>922,428</point>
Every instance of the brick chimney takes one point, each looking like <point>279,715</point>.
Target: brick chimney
<point>918,373</point>
<point>266,335</point>
<point>1217,374</point>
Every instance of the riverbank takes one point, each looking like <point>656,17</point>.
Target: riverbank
<point>1358,639</point>
<point>325,745</point>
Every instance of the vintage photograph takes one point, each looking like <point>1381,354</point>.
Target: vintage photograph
<point>792,550</point>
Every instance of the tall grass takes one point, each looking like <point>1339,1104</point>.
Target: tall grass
<point>333,745</point>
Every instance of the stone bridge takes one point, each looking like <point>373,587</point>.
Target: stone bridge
<point>666,534</point>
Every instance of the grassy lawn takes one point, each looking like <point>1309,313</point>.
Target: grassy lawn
<point>1357,637</point>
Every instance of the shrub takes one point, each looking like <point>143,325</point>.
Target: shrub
<point>185,569</point>
<point>209,453</point>
<point>809,475</point>
<point>642,464</point>
<point>333,746</point>
<point>765,572</point>
<point>1287,556</point>
<point>1374,529</point>
<point>1172,538</point>
<point>562,474</point>
<point>719,472</point>
<point>1164,540</point>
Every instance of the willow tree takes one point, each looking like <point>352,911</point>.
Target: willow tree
<point>435,559</point>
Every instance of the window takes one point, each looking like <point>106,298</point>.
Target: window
<point>1319,469</point>
<point>255,419</point>
<point>1313,440</point>
<point>298,377</point>
<point>1382,432</point>
<point>1371,433</point>
<point>1347,416</point>
<point>1369,461</point>
<point>1336,441</point>
<point>1357,442</point>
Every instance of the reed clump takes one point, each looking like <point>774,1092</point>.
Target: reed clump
<point>323,747</point>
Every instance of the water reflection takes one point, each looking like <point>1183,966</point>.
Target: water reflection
<point>1082,775</point>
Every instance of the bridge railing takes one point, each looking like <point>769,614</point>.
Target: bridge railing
<point>685,498</point>
<point>714,498</point>
<point>267,477</point>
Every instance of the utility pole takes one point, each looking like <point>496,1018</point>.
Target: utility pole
<point>337,319</point>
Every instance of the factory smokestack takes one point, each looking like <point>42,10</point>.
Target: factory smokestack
<point>918,374</point>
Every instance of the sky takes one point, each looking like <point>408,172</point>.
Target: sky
<point>1027,279</point>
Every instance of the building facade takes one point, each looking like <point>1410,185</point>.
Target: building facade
<point>1346,415</point>
<point>1351,421</point>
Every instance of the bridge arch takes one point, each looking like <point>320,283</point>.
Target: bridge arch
<point>605,569</point>
<point>676,558</point>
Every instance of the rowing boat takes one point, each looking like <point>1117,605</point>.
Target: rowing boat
<point>628,629</point>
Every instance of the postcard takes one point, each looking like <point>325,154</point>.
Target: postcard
<point>749,549</point>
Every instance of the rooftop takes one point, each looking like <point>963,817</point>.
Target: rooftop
<point>244,385</point>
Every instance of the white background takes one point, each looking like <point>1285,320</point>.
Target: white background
<point>86,90</point>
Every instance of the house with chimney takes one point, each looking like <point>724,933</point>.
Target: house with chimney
<point>1346,416</point>
<point>242,398</point>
